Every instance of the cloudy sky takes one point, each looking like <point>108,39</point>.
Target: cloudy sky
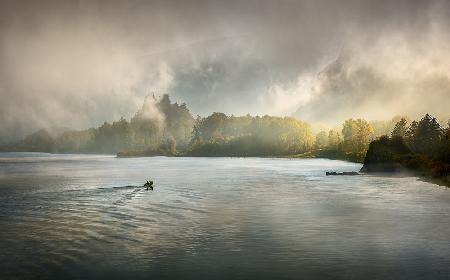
<point>79,63</point>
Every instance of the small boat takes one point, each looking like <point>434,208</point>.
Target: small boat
<point>149,185</point>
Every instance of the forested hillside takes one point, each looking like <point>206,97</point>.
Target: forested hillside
<point>220,134</point>
<point>161,127</point>
<point>159,124</point>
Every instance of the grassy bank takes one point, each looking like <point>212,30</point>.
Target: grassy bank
<point>332,154</point>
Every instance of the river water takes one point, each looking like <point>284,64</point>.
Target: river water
<point>85,217</point>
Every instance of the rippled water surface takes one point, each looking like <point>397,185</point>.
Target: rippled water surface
<point>84,216</point>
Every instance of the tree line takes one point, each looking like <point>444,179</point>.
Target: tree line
<point>145,131</point>
<point>422,147</point>
<point>425,137</point>
<point>219,134</point>
<point>352,140</point>
<point>161,127</point>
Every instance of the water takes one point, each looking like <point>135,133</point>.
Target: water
<point>84,216</point>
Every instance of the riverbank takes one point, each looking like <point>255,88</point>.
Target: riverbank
<point>327,154</point>
<point>332,154</point>
<point>143,153</point>
<point>392,156</point>
<point>428,170</point>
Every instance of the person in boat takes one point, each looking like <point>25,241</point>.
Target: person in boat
<point>149,185</point>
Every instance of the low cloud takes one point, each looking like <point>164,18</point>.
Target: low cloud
<point>392,76</point>
<point>77,64</point>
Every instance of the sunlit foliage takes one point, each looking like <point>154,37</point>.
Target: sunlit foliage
<point>219,134</point>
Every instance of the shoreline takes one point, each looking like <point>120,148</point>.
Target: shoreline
<point>406,173</point>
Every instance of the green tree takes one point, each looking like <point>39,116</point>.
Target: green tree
<point>400,129</point>
<point>357,134</point>
<point>322,139</point>
<point>219,134</point>
<point>178,121</point>
<point>334,139</point>
<point>427,135</point>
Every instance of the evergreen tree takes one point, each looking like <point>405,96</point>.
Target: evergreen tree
<point>411,134</point>
<point>428,135</point>
<point>400,129</point>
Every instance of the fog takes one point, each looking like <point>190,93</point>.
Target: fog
<point>77,64</point>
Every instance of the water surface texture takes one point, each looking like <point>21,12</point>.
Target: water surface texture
<point>84,216</point>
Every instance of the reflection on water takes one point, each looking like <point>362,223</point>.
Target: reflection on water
<point>77,216</point>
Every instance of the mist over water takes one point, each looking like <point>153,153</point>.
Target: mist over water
<point>67,66</point>
<point>84,217</point>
